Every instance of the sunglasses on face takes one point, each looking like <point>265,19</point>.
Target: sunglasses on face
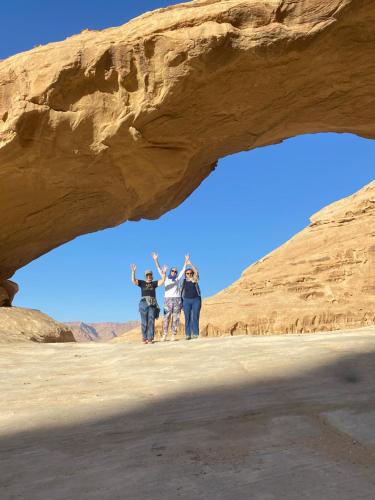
<point>148,275</point>
<point>173,270</point>
<point>189,274</point>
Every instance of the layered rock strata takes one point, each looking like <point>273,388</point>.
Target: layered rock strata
<point>321,279</point>
<point>22,325</point>
<point>125,123</point>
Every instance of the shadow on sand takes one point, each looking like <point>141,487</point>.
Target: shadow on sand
<point>311,436</point>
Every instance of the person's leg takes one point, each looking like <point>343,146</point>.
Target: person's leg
<point>151,323</point>
<point>176,317</point>
<point>168,309</point>
<point>143,313</point>
<point>196,310</point>
<point>187,312</point>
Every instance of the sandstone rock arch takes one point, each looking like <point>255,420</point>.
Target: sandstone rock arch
<point>125,123</point>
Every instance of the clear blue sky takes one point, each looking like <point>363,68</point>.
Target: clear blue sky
<point>251,204</point>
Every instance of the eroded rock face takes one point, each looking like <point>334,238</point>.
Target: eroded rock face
<point>8,290</point>
<point>125,123</point>
<point>19,324</point>
<point>321,279</point>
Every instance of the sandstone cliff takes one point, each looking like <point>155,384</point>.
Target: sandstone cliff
<point>87,125</point>
<point>322,279</point>
<point>21,325</point>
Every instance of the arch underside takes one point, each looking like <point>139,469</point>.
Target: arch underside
<point>125,123</point>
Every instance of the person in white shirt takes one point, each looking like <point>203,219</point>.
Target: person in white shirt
<point>172,297</point>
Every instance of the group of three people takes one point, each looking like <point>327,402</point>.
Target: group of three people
<point>181,292</point>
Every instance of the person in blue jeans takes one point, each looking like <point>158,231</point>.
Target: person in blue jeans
<point>192,302</point>
<point>148,304</point>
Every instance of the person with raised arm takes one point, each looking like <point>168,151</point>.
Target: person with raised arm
<point>172,297</point>
<point>192,301</point>
<point>148,306</point>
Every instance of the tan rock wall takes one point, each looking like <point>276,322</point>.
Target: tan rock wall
<point>321,279</point>
<point>125,123</point>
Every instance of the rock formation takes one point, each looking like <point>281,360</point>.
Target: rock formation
<point>87,332</point>
<point>125,123</point>
<point>8,290</point>
<point>320,280</point>
<point>19,324</point>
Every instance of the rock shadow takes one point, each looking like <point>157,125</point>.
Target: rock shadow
<point>310,436</point>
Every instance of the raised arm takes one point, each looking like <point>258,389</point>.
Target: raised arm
<point>156,260</point>
<point>195,269</point>
<point>133,267</point>
<point>182,272</point>
<point>163,273</point>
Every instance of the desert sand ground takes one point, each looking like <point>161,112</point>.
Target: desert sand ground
<point>281,417</point>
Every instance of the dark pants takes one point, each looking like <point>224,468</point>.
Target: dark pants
<point>192,310</point>
<point>147,320</point>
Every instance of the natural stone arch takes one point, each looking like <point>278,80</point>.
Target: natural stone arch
<point>125,123</point>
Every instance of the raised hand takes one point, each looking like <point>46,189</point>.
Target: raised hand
<point>154,255</point>
<point>133,267</point>
<point>164,269</point>
<point>187,258</point>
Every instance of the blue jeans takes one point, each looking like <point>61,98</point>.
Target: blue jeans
<point>147,320</point>
<point>192,310</point>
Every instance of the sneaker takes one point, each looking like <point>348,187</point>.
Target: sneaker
<point>188,338</point>
<point>195,336</point>
<point>145,341</point>
<point>151,341</point>
<point>164,338</point>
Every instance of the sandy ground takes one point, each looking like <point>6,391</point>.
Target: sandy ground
<point>288,417</point>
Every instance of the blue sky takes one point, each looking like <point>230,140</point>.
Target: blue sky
<point>252,203</point>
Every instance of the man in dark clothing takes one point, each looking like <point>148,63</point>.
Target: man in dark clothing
<point>148,304</point>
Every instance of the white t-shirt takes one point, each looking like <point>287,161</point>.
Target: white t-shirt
<point>172,288</point>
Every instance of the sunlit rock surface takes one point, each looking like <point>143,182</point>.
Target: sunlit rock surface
<point>321,279</point>
<point>22,325</point>
<point>125,123</point>
<point>290,417</point>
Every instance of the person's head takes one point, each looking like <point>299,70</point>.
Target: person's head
<point>148,275</point>
<point>189,274</point>
<point>173,272</point>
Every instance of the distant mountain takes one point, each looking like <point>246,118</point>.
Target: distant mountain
<point>88,332</point>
